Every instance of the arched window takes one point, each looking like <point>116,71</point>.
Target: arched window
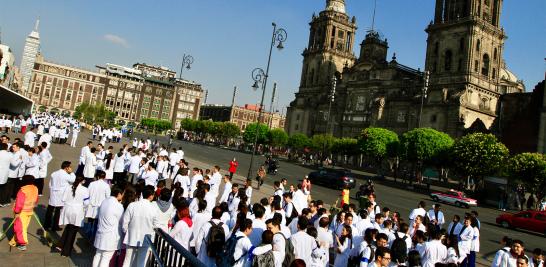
<point>461,45</point>
<point>478,45</point>
<point>495,54</point>
<point>494,73</point>
<point>447,60</point>
<point>476,65</point>
<point>485,66</point>
<point>311,77</point>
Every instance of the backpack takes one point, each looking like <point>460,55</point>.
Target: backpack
<point>355,261</point>
<point>264,260</point>
<point>215,239</point>
<point>225,255</point>
<point>399,249</point>
<point>293,215</point>
<point>289,255</point>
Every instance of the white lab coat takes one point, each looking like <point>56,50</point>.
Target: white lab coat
<point>150,177</point>
<point>181,232</point>
<point>59,182</point>
<point>5,161</point>
<point>30,138</point>
<point>185,183</point>
<point>342,258</point>
<point>304,244</point>
<point>258,227</point>
<point>32,165</point>
<point>134,164</point>
<point>73,210</point>
<point>227,190</point>
<point>99,190</point>
<point>475,245</point>
<point>16,164</point>
<point>90,165</point>
<point>326,241</point>
<point>109,225</point>
<point>465,236</point>
<point>435,252</point>
<point>139,220</point>
<point>119,163</point>
<point>214,182</point>
<point>199,219</point>
<point>432,216</point>
<point>300,201</point>
<point>415,212</point>
<point>45,158</point>
<point>165,213</point>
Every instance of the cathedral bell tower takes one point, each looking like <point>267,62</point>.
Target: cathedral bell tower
<point>464,56</point>
<point>329,50</point>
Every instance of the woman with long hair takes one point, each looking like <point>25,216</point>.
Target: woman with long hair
<point>109,168</point>
<point>72,214</point>
<point>344,244</point>
<point>182,230</point>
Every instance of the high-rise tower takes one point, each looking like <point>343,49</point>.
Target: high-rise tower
<point>330,49</point>
<point>30,51</point>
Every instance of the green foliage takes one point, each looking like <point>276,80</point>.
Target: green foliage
<point>529,168</point>
<point>299,141</point>
<point>346,146</point>
<point>425,145</point>
<point>188,124</point>
<point>95,114</point>
<point>277,137</point>
<point>250,133</point>
<point>155,124</point>
<point>378,143</point>
<point>230,130</point>
<point>479,154</point>
<point>323,142</point>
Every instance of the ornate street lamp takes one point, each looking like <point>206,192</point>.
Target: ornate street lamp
<point>187,60</point>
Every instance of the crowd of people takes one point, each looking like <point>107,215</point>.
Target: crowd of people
<point>120,198</point>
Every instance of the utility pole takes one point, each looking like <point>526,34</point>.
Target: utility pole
<point>423,95</point>
<point>233,98</point>
<point>271,107</point>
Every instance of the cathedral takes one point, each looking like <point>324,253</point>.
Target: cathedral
<point>457,92</point>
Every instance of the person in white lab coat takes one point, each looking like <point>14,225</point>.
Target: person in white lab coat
<point>182,230</point>
<point>139,221</point>
<point>134,167</point>
<point>30,138</point>
<point>419,211</point>
<point>72,214</point>
<point>60,180</point>
<point>108,237</point>
<point>45,159</point>
<point>5,162</point>
<point>203,235</point>
<point>90,166</point>
<point>304,244</point>
<point>343,246</point>
<point>99,190</point>
<point>465,240</point>
<point>215,180</point>
<point>84,151</point>
<point>32,163</point>
<point>436,216</point>
<point>435,251</point>
<point>243,245</point>
<point>165,210</point>
<point>150,176</point>
<point>454,227</point>
<point>509,259</point>
<point>475,243</point>
<point>184,180</point>
<point>227,189</point>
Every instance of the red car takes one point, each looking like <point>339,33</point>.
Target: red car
<point>453,197</point>
<point>529,220</point>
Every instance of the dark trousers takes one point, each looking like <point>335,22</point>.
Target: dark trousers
<point>79,171</point>
<point>5,193</point>
<point>10,187</point>
<point>56,213</point>
<point>120,179</point>
<point>68,238</point>
<point>40,184</point>
<point>16,187</point>
<point>231,175</point>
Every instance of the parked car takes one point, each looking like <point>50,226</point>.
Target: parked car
<point>336,178</point>
<point>529,220</point>
<point>454,197</point>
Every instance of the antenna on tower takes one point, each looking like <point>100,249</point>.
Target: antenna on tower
<point>373,17</point>
<point>37,24</point>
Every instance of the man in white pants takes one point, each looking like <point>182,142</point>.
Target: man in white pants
<point>108,237</point>
<point>139,221</point>
<point>75,133</point>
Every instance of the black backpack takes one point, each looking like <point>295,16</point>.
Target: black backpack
<point>399,249</point>
<point>293,214</point>
<point>215,239</point>
<point>289,255</point>
<point>225,256</point>
<point>355,261</point>
<point>264,260</point>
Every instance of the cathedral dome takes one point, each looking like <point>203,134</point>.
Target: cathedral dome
<point>507,75</point>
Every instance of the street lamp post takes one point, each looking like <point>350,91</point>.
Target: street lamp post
<point>423,95</point>
<point>260,77</point>
<point>331,98</point>
<point>187,60</point>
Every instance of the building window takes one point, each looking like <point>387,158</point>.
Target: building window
<point>461,45</point>
<point>494,73</point>
<point>495,54</point>
<point>360,102</point>
<point>485,67</point>
<point>447,60</point>
<point>478,45</point>
<point>401,116</point>
<point>476,65</point>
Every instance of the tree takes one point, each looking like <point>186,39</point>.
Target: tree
<point>530,169</point>
<point>155,124</point>
<point>188,124</point>
<point>478,155</point>
<point>346,146</point>
<point>323,142</point>
<point>250,133</point>
<point>425,145</point>
<point>230,130</point>
<point>378,143</point>
<point>299,141</point>
<point>277,137</point>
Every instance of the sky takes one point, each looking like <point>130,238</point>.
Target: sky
<point>229,38</point>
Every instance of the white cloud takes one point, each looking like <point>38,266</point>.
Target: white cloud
<point>112,38</point>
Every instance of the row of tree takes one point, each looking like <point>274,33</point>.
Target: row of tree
<point>94,114</point>
<point>156,125</point>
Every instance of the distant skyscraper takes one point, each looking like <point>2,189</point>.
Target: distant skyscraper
<point>29,56</point>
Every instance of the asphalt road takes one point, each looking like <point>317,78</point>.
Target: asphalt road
<point>400,200</point>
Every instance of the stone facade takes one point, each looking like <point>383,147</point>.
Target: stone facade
<point>464,57</point>
<point>241,116</point>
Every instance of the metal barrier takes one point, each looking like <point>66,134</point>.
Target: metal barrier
<point>166,252</point>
